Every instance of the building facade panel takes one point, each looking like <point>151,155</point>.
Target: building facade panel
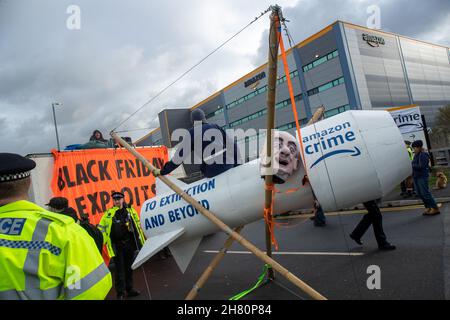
<point>330,99</point>
<point>342,67</point>
<point>318,47</point>
<point>378,68</point>
<point>428,70</point>
<point>323,73</point>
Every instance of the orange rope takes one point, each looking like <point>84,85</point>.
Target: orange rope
<point>291,94</point>
<point>268,212</point>
<point>268,216</point>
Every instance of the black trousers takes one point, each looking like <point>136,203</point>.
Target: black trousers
<point>123,277</point>
<point>372,217</point>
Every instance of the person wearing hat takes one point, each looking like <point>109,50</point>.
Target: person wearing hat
<point>421,172</point>
<point>61,205</point>
<point>43,255</point>
<point>123,237</point>
<point>224,151</point>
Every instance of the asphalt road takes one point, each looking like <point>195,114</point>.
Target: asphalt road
<point>418,269</point>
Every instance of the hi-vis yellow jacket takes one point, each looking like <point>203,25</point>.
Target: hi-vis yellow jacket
<point>45,255</point>
<point>106,223</point>
<point>410,153</point>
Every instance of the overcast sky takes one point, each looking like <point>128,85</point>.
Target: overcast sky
<point>127,51</point>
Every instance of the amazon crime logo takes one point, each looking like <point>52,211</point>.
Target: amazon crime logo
<point>373,41</point>
<point>408,120</point>
<point>327,141</point>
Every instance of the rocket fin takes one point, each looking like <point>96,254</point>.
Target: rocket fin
<point>154,244</point>
<point>162,188</point>
<point>183,252</point>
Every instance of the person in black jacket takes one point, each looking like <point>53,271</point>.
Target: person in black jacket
<point>225,156</point>
<point>374,218</point>
<point>61,205</point>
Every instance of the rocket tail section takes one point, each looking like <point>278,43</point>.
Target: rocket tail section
<point>154,244</point>
<point>183,252</point>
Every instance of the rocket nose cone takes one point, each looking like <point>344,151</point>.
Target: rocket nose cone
<point>354,157</point>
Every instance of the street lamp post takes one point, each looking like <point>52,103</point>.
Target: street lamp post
<point>56,104</point>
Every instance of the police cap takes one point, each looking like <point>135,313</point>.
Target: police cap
<point>117,195</point>
<point>14,167</point>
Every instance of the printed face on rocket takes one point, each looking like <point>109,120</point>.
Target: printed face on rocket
<point>286,155</point>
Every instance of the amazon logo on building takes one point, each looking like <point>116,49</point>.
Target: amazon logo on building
<point>332,141</point>
<point>373,41</point>
<point>256,78</point>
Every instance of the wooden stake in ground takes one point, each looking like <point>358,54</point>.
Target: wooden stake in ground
<point>222,226</point>
<point>209,270</point>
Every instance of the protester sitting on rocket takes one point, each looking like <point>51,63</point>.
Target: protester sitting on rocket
<point>224,151</point>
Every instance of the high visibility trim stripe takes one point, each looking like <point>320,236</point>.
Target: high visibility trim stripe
<point>31,245</point>
<point>31,265</point>
<point>87,282</point>
<point>33,294</point>
<point>30,268</point>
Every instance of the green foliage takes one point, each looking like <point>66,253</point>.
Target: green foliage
<point>441,131</point>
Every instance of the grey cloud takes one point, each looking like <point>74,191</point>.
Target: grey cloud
<point>414,19</point>
<point>127,51</point>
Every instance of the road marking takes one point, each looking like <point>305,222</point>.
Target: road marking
<point>297,253</point>
<point>362,211</point>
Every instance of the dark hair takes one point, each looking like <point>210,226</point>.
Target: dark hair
<point>417,144</point>
<point>93,138</point>
<point>14,188</point>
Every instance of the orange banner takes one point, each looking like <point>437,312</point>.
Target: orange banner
<point>87,178</point>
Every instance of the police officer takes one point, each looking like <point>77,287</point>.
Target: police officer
<point>123,236</point>
<point>226,153</point>
<point>43,255</point>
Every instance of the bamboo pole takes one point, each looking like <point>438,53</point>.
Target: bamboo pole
<point>317,115</point>
<point>211,267</point>
<point>270,125</point>
<point>236,236</point>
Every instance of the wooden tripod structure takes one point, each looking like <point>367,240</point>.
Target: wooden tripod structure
<point>234,234</point>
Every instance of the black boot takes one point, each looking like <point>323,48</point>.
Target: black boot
<point>386,247</point>
<point>357,240</point>
<point>133,293</point>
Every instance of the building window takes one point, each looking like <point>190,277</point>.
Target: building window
<point>256,115</point>
<point>215,113</point>
<point>326,86</point>
<point>259,91</point>
<point>291,125</point>
<point>320,60</point>
<point>335,111</point>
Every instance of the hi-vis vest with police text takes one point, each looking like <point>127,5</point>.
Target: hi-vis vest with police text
<point>106,223</point>
<point>45,255</point>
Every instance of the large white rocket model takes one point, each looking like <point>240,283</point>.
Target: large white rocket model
<point>350,158</point>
